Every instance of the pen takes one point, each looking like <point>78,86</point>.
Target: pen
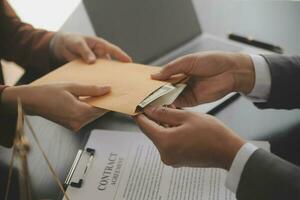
<point>256,43</point>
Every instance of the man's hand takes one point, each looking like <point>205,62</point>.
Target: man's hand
<point>56,102</point>
<point>187,139</point>
<point>67,47</point>
<point>213,75</point>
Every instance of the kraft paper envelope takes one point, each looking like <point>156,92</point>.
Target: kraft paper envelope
<point>130,83</point>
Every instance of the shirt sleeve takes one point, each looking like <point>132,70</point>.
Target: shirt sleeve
<point>237,166</point>
<point>262,86</point>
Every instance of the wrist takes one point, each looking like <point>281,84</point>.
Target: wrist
<point>243,73</point>
<point>2,88</point>
<point>229,150</point>
<point>10,97</point>
<point>56,58</point>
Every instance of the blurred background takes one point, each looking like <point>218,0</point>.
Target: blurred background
<point>265,20</point>
<point>275,22</point>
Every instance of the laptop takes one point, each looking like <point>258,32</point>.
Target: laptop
<point>152,32</point>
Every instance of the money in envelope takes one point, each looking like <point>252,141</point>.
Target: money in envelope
<point>132,88</point>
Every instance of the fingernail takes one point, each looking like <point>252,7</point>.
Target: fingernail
<point>128,59</point>
<point>92,58</point>
<point>155,76</point>
<point>104,87</point>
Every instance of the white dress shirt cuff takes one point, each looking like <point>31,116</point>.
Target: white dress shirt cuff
<point>237,166</point>
<point>262,86</point>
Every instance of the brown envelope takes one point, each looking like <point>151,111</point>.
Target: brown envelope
<point>130,83</point>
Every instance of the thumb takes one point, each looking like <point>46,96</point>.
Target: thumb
<point>183,65</point>
<point>88,90</point>
<point>169,116</point>
<point>151,129</point>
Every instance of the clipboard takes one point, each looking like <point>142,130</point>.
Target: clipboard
<point>86,157</point>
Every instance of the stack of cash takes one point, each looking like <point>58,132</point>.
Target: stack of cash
<point>165,95</point>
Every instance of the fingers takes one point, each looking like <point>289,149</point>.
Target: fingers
<point>91,113</point>
<point>164,142</point>
<point>118,53</point>
<point>72,46</point>
<point>164,115</point>
<point>182,65</point>
<point>151,129</point>
<point>85,52</point>
<point>84,115</point>
<point>88,90</point>
<point>186,99</point>
<point>69,56</point>
<point>103,48</point>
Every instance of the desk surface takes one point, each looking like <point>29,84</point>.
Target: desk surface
<point>61,145</point>
<point>242,116</point>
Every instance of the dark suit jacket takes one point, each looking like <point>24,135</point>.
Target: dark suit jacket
<point>266,176</point>
<point>28,47</point>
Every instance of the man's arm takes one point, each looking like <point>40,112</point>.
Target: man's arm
<point>224,73</point>
<point>23,44</point>
<point>199,140</point>
<point>268,177</point>
<point>285,87</point>
<point>260,95</point>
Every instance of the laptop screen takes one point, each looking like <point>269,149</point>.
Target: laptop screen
<point>146,30</point>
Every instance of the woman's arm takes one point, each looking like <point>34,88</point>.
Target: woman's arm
<point>21,43</point>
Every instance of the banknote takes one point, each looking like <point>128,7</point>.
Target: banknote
<point>157,94</point>
<point>169,98</point>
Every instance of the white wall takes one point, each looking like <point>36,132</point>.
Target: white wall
<point>47,14</point>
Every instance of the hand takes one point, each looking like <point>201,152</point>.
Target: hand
<point>213,75</point>
<point>189,139</point>
<point>56,102</point>
<point>67,47</point>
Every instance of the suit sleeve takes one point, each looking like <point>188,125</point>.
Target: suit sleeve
<point>285,82</point>
<point>21,43</point>
<point>268,177</point>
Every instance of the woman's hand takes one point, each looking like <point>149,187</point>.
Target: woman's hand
<point>56,102</point>
<point>188,139</point>
<point>213,75</point>
<point>67,47</point>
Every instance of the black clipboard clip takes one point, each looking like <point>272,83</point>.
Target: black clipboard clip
<point>90,157</point>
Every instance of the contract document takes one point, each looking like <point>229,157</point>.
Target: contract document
<point>127,166</point>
